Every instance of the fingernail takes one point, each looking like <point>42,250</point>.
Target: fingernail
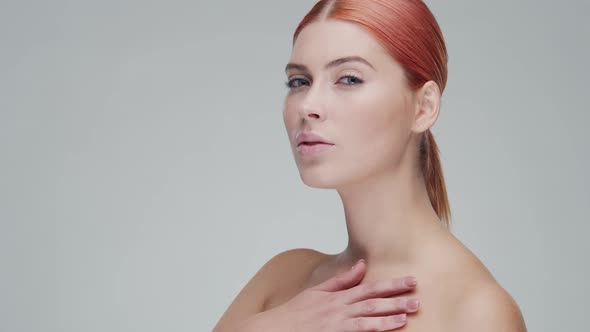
<point>357,264</point>
<point>413,304</point>
<point>411,282</point>
<point>399,318</point>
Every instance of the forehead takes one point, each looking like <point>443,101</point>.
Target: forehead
<point>322,41</point>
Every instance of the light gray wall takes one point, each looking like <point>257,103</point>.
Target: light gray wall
<point>145,173</point>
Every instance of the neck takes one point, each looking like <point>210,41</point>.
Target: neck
<point>388,217</point>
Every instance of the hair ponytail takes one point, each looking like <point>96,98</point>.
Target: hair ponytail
<point>433,177</point>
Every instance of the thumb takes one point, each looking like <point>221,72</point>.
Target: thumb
<point>344,280</point>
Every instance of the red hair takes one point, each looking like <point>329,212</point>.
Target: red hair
<point>408,30</point>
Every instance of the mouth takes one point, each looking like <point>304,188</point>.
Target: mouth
<point>313,143</point>
<point>308,149</point>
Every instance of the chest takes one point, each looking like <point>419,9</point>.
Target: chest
<point>435,299</point>
<point>435,306</point>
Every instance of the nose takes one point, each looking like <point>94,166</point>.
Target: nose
<point>313,104</point>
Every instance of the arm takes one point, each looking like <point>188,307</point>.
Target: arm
<point>489,308</point>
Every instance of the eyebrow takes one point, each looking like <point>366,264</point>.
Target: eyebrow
<point>330,64</point>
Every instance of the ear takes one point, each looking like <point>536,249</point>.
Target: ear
<point>427,107</point>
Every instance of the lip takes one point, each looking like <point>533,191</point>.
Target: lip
<point>308,136</point>
<point>313,150</point>
<point>319,145</point>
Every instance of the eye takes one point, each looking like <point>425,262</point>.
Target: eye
<point>351,79</point>
<point>295,83</point>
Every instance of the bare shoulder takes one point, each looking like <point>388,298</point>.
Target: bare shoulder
<point>281,269</point>
<point>486,306</point>
<point>298,255</point>
<point>290,274</point>
<point>473,298</point>
<point>292,265</point>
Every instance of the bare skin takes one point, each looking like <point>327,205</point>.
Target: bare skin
<point>346,88</point>
<point>447,273</point>
<point>338,304</point>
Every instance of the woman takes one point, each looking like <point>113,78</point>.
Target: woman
<point>365,80</point>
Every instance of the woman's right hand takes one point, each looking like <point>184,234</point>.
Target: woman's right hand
<point>339,304</point>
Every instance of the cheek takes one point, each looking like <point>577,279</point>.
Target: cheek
<point>377,129</point>
<point>290,116</point>
<point>379,119</point>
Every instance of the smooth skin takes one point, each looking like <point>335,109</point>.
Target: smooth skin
<point>337,304</point>
<point>345,87</point>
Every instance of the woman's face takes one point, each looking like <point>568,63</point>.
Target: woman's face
<point>365,109</point>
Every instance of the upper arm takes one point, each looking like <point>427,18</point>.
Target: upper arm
<point>250,300</point>
<point>489,308</point>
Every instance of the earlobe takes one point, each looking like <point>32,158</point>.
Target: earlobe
<point>428,107</point>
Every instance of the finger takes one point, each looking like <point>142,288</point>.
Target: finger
<point>366,324</point>
<point>380,288</point>
<point>382,307</point>
<point>344,280</point>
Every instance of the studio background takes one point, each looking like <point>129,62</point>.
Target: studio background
<point>146,174</point>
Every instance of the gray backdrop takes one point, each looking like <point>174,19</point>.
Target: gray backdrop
<point>146,175</point>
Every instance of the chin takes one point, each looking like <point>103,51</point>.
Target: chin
<point>321,179</point>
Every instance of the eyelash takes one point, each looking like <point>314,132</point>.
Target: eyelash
<point>289,83</point>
